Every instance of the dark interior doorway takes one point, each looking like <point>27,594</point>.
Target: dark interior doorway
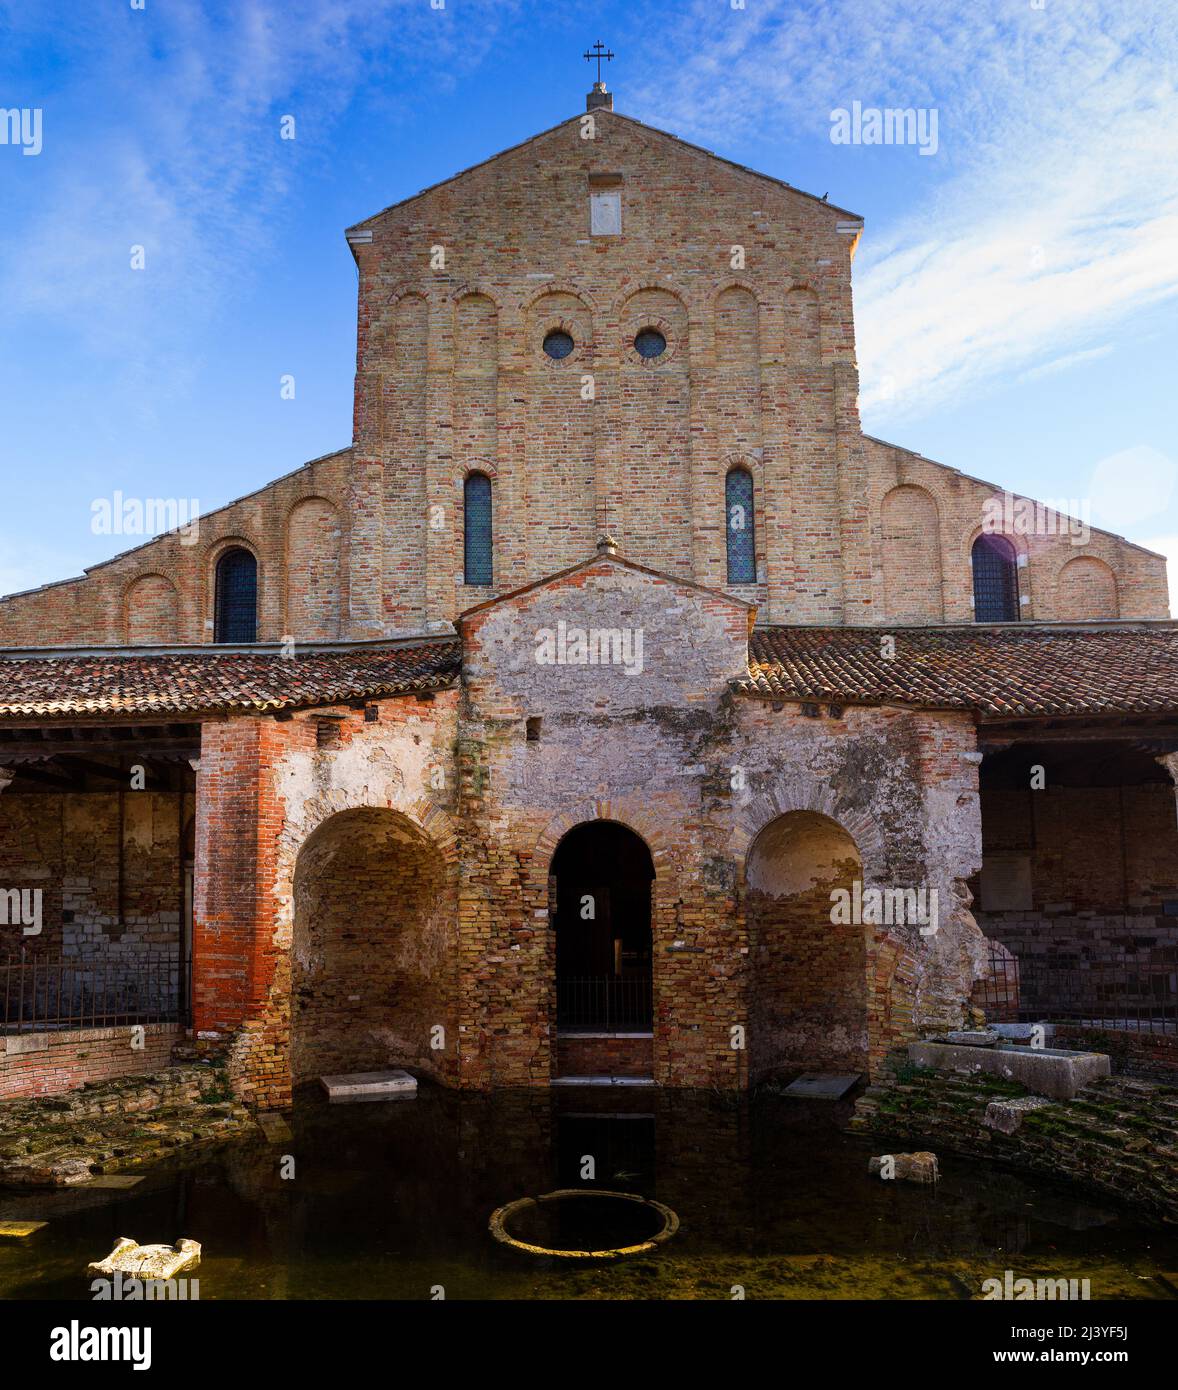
<point>603,875</point>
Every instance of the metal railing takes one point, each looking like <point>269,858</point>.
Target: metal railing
<point>44,992</point>
<point>605,1003</point>
<point>1137,993</point>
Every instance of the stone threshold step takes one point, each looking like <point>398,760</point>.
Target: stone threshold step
<point>603,1081</point>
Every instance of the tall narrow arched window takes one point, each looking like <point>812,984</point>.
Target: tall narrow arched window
<point>235,611</point>
<point>738,508</point>
<point>995,580</point>
<point>476,524</point>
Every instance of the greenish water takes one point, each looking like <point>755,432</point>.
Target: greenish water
<point>391,1200</point>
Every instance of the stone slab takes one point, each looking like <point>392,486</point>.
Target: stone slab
<point>822,1085</point>
<point>19,1229</point>
<point>364,1084</point>
<point>602,1081</point>
<point>115,1181</point>
<point>1051,1072</point>
<point>274,1127</point>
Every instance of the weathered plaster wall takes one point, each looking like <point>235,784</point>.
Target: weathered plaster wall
<point>661,746</point>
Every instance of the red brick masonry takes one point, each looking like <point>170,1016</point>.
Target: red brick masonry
<point>42,1064</point>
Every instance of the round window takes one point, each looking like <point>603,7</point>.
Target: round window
<point>558,344</point>
<point>650,343</point>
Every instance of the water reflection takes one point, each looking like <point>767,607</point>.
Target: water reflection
<point>391,1200</point>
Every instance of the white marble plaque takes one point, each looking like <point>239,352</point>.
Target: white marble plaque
<point>605,214</point>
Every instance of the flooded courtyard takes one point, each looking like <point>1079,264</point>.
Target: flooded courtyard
<point>390,1200</point>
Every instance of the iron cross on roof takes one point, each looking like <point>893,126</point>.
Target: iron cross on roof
<point>598,52</point>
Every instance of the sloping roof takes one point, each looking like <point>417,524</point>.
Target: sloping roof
<point>611,558</point>
<point>165,535</point>
<point>605,112</point>
<point>1001,672</point>
<point>171,683</point>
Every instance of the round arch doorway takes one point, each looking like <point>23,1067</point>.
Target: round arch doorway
<point>603,880</point>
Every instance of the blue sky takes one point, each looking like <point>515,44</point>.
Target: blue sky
<point>1015,292</point>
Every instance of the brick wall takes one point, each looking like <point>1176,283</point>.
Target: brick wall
<point>604,1056</point>
<point>1095,850</point>
<point>374,954</point>
<point>42,1064</point>
<point>162,590</point>
<point>112,865</point>
<point>749,282</point>
<point>809,976</point>
<point>460,806</point>
<point>926,517</point>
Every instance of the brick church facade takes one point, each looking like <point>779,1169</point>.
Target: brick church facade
<point>532,737</point>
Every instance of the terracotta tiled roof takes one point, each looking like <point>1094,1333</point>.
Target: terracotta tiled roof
<point>193,682</point>
<point>1000,672</point>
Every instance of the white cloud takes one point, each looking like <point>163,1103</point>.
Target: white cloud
<point>1052,210</point>
<point>1130,487</point>
<point>167,137</point>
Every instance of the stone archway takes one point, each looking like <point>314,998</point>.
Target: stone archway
<point>603,875</point>
<point>808,1000</point>
<point>374,956</point>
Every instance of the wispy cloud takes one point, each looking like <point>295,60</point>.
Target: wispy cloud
<point>1052,211</point>
<point>175,147</point>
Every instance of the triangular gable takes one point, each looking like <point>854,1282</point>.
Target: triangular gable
<point>604,113</point>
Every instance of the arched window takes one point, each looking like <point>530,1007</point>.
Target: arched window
<point>235,616</point>
<point>738,507</point>
<point>995,580</point>
<point>476,521</point>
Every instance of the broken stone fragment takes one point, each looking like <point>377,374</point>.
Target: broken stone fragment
<point>917,1167</point>
<point>148,1261</point>
<point>1007,1115</point>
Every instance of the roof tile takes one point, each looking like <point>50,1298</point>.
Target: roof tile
<point>1000,672</point>
<point>48,687</point>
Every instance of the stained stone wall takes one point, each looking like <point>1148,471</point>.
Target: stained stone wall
<point>659,744</point>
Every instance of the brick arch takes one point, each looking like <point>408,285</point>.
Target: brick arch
<point>210,556</point>
<point>312,572</point>
<point>806,794</point>
<point>1086,590</point>
<point>674,323</point>
<point>802,307</point>
<point>475,464</point>
<point>368,999</point>
<point>480,290</point>
<point>422,813</point>
<point>733,350</point>
<point>890,964</point>
<point>574,291</point>
<point>140,628</point>
<point>734,282</point>
<point>976,528</point>
<point>645,287</point>
<point>476,334</point>
<point>910,540</point>
<point>633,817</point>
<point>405,288</point>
